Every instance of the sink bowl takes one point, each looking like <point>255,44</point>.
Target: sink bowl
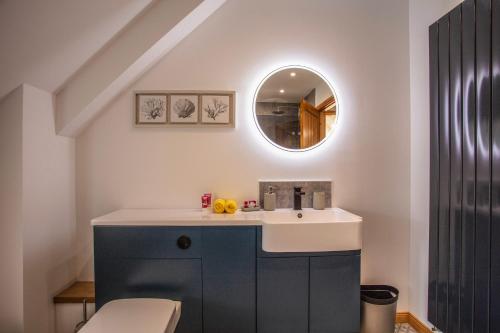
<point>334,229</point>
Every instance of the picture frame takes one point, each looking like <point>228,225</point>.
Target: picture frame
<point>151,108</point>
<point>215,109</point>
<point>184,108</point>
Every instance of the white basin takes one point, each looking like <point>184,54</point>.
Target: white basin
<point>316,231</point>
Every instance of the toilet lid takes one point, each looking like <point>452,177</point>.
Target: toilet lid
<point>145,315</point>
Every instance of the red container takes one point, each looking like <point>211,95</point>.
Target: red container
<point>204,201</point>
<point>209,198</point>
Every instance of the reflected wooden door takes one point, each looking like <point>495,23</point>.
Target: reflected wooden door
<point>309,125</point>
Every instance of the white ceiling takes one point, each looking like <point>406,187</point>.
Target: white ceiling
<point>44,42</point>
<point>295,87</point>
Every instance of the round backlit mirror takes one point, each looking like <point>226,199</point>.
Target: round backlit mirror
<point>295,108</point>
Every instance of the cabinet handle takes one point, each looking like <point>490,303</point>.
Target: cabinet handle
<point>184,242</point>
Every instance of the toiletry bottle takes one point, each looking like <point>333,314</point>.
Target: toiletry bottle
<point>270,199</point>
<point>319,200</point>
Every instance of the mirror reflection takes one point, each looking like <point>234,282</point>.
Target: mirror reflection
<point>295,108</point>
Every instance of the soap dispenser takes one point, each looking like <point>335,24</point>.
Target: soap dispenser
<point>270,199</point>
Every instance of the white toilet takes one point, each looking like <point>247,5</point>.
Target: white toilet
<point>145,315</point>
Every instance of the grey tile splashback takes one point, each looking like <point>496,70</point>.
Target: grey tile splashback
<point>284,192</point>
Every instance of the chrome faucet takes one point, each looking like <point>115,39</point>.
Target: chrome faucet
<point>297,197</point>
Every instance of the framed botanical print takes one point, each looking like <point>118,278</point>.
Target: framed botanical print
<point>215,109</point>
<point>185,108</point>
<point>151,108</point>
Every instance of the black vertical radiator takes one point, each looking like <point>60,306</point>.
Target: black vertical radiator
<point>464,211</point>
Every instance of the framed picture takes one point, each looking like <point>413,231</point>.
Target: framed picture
<point>183,109</point>
<point>215,109</point>
<point>151,108</point>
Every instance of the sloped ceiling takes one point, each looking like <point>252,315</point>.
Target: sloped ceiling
<point>122,61</point>
<point>44,42</point>
<point>87,52</point>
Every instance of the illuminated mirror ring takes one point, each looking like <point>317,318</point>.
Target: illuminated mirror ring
<point>295,108</point>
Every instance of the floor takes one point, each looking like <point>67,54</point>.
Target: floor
<point>404,328</point>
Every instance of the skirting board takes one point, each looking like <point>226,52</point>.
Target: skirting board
<point>407,317</point>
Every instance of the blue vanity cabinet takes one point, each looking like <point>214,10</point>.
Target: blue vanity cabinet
<point>282,294</point>
<point>226,282</point>
<point>132,262</point>
<point>214,276</point>
<point>308,292</point>
<point>334,295</point>
<point>229,279</point>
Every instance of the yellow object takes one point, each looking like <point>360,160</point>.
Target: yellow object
<point>231,206</point>
<point>219,206</point>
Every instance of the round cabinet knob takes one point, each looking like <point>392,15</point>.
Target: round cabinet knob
<point>184,242</point>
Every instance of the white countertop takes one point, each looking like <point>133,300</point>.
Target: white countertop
<point>191,217</point>
<point>175,217</point>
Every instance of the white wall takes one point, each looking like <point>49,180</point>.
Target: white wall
<point>11,245</point>
<point>48,210</point>
<point>364,52</point>
<point>37,211</point>
<point>422,14</point>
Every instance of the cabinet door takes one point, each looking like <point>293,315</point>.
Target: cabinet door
<point>334,294</point>
<point>176,279</point>
<point>146,242</point>
<point>229,280</point>
<point>282,295</point>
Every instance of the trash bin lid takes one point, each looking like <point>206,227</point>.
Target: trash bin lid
<point>379,294</point>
